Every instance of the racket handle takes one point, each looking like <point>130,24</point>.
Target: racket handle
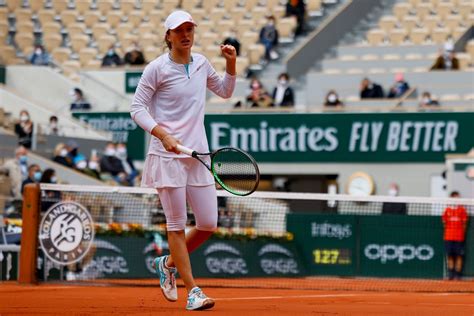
<point>185,150</point>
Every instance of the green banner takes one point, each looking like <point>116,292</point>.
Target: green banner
<point>327,243</point>
<point>401,246</point>
<point>469,258</point>
<point>131,81</point>
<point>123,129</point>
<point>344,137</point>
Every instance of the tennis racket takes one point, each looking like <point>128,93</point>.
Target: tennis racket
<point>234,169</point>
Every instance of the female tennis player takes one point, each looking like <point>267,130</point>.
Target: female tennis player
<point>169,104</point>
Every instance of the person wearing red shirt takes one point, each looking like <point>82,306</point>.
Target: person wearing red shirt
<point>455,222</point>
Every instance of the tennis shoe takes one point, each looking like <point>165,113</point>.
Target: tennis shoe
<point>167,278</point>
<point>197,300</point>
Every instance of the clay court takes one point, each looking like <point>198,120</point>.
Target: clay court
<point>145,299</point>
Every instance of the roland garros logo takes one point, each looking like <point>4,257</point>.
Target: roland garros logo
<point>66,232</point>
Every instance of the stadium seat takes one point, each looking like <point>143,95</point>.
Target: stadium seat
<point>52,41</point>
<point>225,26</point>
<point>465,8</point>
<point>241,65</point>
<point>69,17</point>
<point>87,54</point>
<point>24,27</point>
<point>286,27</point>
<point>76,28</point>
<point>229,5</point>
<point>35,6</point>
<point>409,23</point>
<point>3,27</point>
<point>45,16</point>
<point>431,22</point>
<point>208,5</point>
<point>59,5</point>
<point>61,54</point>
<point>418,36</point>
<point>198,14</point>
<point>400,10</point>
<point>79,41</point>
<point>148,5</point>
<point>279,12</point>
<point>217,14</point>
<point>12,5</point>
<point>255,53</point>
<point>444,9</point>
<point>70,67</point>
<point>91,18</point>
<point>8,54</point>
<point>100,29</point>
<point>24,40</point>
<point>114,18</point>
<point>127,39</point>
<point>387,23</point>
<point>464,60</point>
<point>470,49</point>
<point>423,10</point>
<point>453,21</point>
<point>311,5</point>
<point>104,42</point>
<point>250,4</point>
<point>105,6</point>
<point>83,6</point>
<point>440,35</point>
<point>3,14</point>
<point>208,39</point>
<point>94,64</point>
<point>259,13</point>
<point>51,28</point>
<point>156,17</point>
<point>169,6</point>
<point>147,39</point>
<point>375,37</point>
<point>146,27</point>
<point>135,17</point>
<point>218,63</point>
<point>127,6</point>
<point>23,14</point>
<point>206,26</point>
<point>189,5</point>
<point>151,52</point>
<point>458,32</point>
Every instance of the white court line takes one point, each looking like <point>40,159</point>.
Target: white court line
<point>283,297</point>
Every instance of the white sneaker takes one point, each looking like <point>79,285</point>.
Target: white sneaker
<point>167,278</point>
<point>197,300</point>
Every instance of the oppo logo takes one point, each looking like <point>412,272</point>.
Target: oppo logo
<point>399,253</point>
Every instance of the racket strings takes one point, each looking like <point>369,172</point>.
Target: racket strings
<point>236,171</point>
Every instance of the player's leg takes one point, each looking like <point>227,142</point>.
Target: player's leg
<point>458,263</point>
<point>173,201</point>
<point>449,259</point>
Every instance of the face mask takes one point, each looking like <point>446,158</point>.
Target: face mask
<point>110,152</point>
<point>426,100</point>
<point>38,51</point>
<point>121,153</point>
<point>63,152</point>
<point>255,85</point>
<point>110,52</point>
<point>332,98</point>
<point>54,180</point>
<point>282,82</point>
<point>81,164</point>
<point>23,159</point>
<point>24,118</point>
<point>392,192</point>
<point>93,165</point>
<point>270,23</point>
<point>37,176</point>
<point>53,124</point>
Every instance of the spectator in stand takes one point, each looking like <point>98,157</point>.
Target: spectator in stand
<point>24,129</point>
<point>447,60</point>
<point>73,153</point>
<point>61,155</point>
<point>93,166</point>
<point>17,170</point>
<point>394,207</point>
<point>427,101</point>
<point>370,90</point>
<point>34,176</point>
<point>269,38</point>
<point>134,55</point>
<point>111,58</point>
<point>39,56</point>
<point>399,87</point>
<point>258,96</point>
<point>233,41</point>
<point>297,8</point>
<point>110,164</point>
<point>283,94</point>
<point>127,163</point>
<point>455,220</point>
<point>79,103</point>
<point>49,198</point>
<point>52,128</point>
<point>332,100</point>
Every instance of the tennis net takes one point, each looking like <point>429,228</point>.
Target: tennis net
<point>270,239</point>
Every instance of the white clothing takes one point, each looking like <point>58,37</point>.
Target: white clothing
<point>175,100</point>
<point>280,93</point>
<point>202,200</point>
<point>166,172</point>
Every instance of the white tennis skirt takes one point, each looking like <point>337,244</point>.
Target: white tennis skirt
<point>164,172</point>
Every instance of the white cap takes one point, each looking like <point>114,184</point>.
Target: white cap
<point>177,18</point>
<point>449,47</point>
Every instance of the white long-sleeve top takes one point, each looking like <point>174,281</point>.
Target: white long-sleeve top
<point>170,97</point>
